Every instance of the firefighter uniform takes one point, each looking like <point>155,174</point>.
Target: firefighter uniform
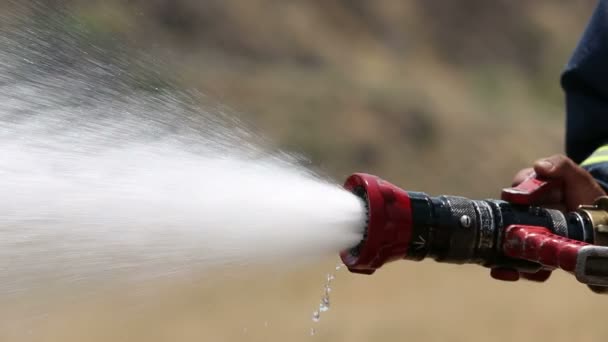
<point>585,82</point>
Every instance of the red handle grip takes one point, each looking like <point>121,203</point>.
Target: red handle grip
<point>538,244</point>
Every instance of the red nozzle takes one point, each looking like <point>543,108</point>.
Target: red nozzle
<point>389,226</point>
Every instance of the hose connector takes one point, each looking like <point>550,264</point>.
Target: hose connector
<point>598,214</point>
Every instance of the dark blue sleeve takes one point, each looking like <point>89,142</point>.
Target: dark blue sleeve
<point>585,82</point>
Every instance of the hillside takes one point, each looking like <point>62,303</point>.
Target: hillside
<point>397,88</point>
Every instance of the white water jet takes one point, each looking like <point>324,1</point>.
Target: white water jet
<point>103,182</point>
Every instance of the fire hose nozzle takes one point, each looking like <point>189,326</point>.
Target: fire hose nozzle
<point>509,234</point>
<point>388,231</point>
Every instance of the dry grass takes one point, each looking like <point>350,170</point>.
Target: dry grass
<point>406,301</point>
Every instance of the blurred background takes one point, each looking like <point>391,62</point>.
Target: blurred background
<point>446,97</point>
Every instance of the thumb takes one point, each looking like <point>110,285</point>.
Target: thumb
<point>578,186</point>
<point>559,167</point>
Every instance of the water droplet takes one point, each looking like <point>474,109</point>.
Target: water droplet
<point>324,306</point>
<point>312,332</point>
<point>245,330</point>
<point>266,324</point>
<point>316,316</point>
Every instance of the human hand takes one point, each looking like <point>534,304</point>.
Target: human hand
<point>577,186</point>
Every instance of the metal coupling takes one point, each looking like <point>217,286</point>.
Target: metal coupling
<point>593,260</point>
<point>598,215</point>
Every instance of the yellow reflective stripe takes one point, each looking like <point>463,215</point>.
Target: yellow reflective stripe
<point>599,156</point>
<point>595,160</point>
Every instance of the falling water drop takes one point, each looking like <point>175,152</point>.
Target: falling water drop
<point>325,300</point>
<point>324,306</point>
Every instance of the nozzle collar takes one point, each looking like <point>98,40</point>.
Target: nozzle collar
<point>389,226</point>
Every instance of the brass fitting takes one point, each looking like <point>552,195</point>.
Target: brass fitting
<point>598,214</point>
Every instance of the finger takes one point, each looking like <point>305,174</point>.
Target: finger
<point>578,186</point>
<point>553,196</point>
<point>504,274</point>
<point>522,175</point>
<point>540,276</point>
<point>561,167</point>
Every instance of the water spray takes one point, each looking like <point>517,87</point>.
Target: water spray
<point>115,179</point>
<point>511,236</point>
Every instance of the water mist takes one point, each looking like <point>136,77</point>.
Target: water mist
<point>106,179</point>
